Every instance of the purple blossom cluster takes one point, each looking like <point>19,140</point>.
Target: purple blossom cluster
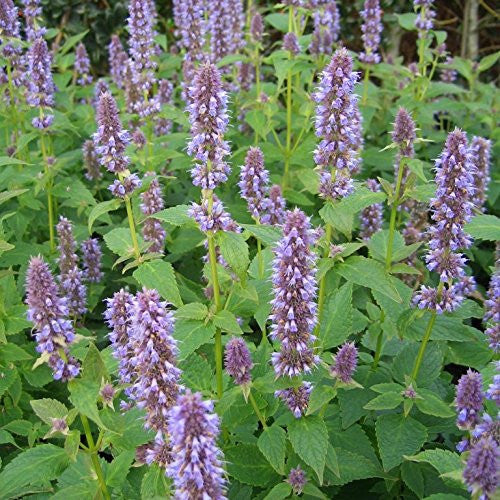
<point>126,186</point>
<point>196,466</point>
<point>337,123</point>
<point>40,84</point>
<point>293,313</point>
<point>214,218</point>
<point>49,314</point>
<point>82,65</point>
<point>151,203</point>
<point>71,277</point>
<point>276,206</point>
<point>326,28</point>
<point>447,74</point>
<point>92,255</point>
<point>189,17</point>
<point>345,363</point>
<point>403,135</point>
<point>297,480</point>
<point>209,119</point>
<point>291,43</point>
<point>91,162</point>
<point>425,16</point>
<point>481,470</point>
<point>117,61</point>
<point>238,361</point>
<point>101,87</point>
<point>156,382</point>
<point>481,155</point>
<point>256,27</point>
<point>492,312</point>
<point>371,217</point>
<point>371,28</point>
<point>225,21</point>
<point>451,209</point>
<point>469,400</point>
<point>32,14</point>
<point>10,46</point>
<point>296,398</point>
<point>163,126</point>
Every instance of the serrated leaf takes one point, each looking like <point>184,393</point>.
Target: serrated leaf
<point>431,404</point>
<point>119,241</point>
<point>72,444</point>
<point>280,491</point>
<point>118,469</point>
<point>93,367</point>
<point>336,319</point>
<point>398,436</point>
<point>47,409</point>
<point>484,227</point>
<point>309,438</point>
<point>248,465</point>
<point>192,334</point>
<point>101,209</point>
<point>269,235</point>
<point>320,396</point>
<point>194,310</point>
<point>83,395</point>
<point>153,483</point>
<point>412,475</point>
<point>386,401</point>
<point>442,460</point>
<point>159,275</point>
<point>33,466</point>
<point>234,249</point>
<point>272,444</point>
<point>226,321</point>
<point>177,216</point>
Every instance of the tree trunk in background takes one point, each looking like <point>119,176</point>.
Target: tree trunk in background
<point>473,38</point>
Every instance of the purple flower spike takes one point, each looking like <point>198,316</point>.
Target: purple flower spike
<point>152,202</point>
<point>125,187</point>
<point>91,162</point>
<point>447,73</point>
<point>196,466</point>
<point>493,392</point>
<point>492,312</point>
<point>481,153</point>
<point>293,313</point>
<point>326,29</point>
<point>216,220</point>
<point>291,43</point>
<point>257,27</point>
<point>224,23</point>
<point>40,85</point>
<point>163,126</point>
<point>92,255</point>
<point>296,398</point>
<point>157,377</point>
<point>238,361</point>
<point>71,277</point>
<point>371,217</point>
<point>117,61</point>
<point>469,399</point>
<point>345,362</point>
<point>189,16</point>
<point>403,135</point>
<point>110,139</point>
<point>118,316</point>
<point>481,470</point>
<point>48,312</point>
<point>101,87</point>
<point>371,28</point>
<point>425,16</point>
<point>208,117</point>
<point>82,65</point>
<point>32,14</point>
<point>276,206</point>
<point>297,480</point>
<point>337,123</point>
<point>254,180</point>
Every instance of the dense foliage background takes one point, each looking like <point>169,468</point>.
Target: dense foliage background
<point>388,428</point>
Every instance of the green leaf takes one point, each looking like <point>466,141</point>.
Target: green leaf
<point>197,373</point>
<point>234,249</point>
<point>36,465</point>
<point>320,396</point>
<point>412,475</point>
<point>48,409</point>
<point>194,310</point>
<point>443,461</point>
<point>226,321</point>
<point>278,21</point>
<point>177,216</point>
<point>352,467</point>
<point>153,483</point>
<point>336,320</point>
<point>407,21</point>
<point>119,241</point>
<point>257,120</point>
<point>7,378</point>
<point>159,275</point>
<point>430,369</point>
<point>484,227</point>
<point>431,404</point>
<point>280,491</point>
<point>247,464</point>
<point>7,195</point>
<point>269,235</point>
<point>118,469</point>
<point>368,273</point>
<point>272,444</point>
<point>72,444</point>
<point>379,242</point>
<point>398,436</point>
<point>488,61</point>
<point>309,438</point>
<point>93,367</point>
<point>101,209</point>
<point>386,401</point>
<point>84,395</point>
<point>191,335</point>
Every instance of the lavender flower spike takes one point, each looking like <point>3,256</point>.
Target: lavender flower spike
<point>40,86</point>
<point>254,180</point>
<point>371,217</point>
<point>257,27</point>
<point>152,202</point>
<point>157,377</point>
<point>117,60</point>
<point>297,480</point>
<point>238,361</point>
<point>492,312</point>
<point>118,316</point>
<point>71,276</point>
<point>92,255</point>
<point>196,466</point>
<point>82,65</point>
<point>481,470</point>
<point>337,124</point>
<point>32,13</point>
<point>293,313</point>
<point>326,29</point>
<point>345,362</point>
<point>469,400</point>
<point>291,43</point>
<point>48,311</point>
<point>426,15</point>
<point>110,139</point>
<point>191,25</point>
<point>208,117</point>
<point>276,206</point>
<point>296,398</point>
<point>372,27</point>
<point>481,153</point>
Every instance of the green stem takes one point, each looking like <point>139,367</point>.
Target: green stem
<point>48,189</point>
<point>423,345</point>
<point>365,85</point>
<point>95,457</point>
<point>256,408</point>
<point>288,109</point>
<point>394,210</point>
<point>380,338</point>
<point>131,225</point>
<point>322,283</point>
